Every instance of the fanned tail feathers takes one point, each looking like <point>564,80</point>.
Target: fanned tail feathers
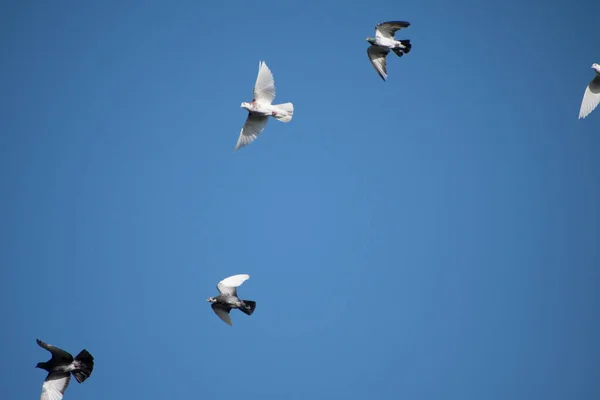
<point>248,307</point>
<point>405,49</point>
<point>83,365</point>
<point>285,112</point>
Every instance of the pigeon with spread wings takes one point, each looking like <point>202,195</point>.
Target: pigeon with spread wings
<point>223,303</point>
<point>383,42</point>
<point>60,367</point>
<point>591,96</point>
<point>261,108</point>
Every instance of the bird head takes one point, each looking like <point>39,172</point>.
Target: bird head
<point>245,105</point>
<point>371,40</point>
<point>211,300</point>
<point>596,67</point>
<point>42,365</point>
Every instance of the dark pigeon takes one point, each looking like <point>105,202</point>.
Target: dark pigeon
<point>228,299</point>
<point>60,367</point>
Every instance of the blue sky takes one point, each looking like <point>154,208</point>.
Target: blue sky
<point>434,236</point>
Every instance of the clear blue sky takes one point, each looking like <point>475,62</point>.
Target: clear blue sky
<point>435,236</point>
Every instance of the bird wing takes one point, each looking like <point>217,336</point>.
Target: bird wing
<point>264,88</point>
<point>253,127</point>
<point>377,55</point>
<point>222,312</point>
<point>388,29</point>
<point>56,352</point>
<point>591,97</point>
<point>55,385</point>
<point>229,285</point>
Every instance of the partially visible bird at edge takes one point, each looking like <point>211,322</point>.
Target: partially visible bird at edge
<point>591,96</point>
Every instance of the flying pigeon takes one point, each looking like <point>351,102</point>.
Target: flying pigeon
<point>261,108</point>
<point>591,97</point>
<point>383,42</point>
<point>228,299</point>
<point>60,367</point>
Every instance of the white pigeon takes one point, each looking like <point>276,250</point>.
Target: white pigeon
<point>383,42</point>
<point>261,108</point>
<point>591,97</point>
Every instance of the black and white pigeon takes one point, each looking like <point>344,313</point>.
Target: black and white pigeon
<point>383,42</point>
<point>223,303</point>
<point>591,96</point>
<point>60,367</point>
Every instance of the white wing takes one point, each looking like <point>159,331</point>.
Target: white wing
<point>55,385</point>
<point>377,55</point>
<point>222,312</point>
<point>264,88</point>
<point>228,285</point>
<point>388,29</point>
<point>591,98</point>
<point>253,127</point>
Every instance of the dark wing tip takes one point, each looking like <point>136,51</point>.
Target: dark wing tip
<point>393,26</point>
<point>403,24</point>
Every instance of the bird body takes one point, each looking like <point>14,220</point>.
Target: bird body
<point>383,42</point>
<point>261,107</point>
<point>387,42</point>
<point>267,110</point>
<point>60,367</point>
<point>591,96</point>
<point>231,301</point>
<point>227,299</point>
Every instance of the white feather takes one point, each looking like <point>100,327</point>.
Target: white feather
<point>378,60</point>
<point>591,98</point>
<point>285,112</point>
<point>264,88</point>
<point>253,127</point>
<point>55,385</point>
<point>234,281</point>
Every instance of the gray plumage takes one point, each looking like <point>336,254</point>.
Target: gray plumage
<point>223,303</point>
<point>383,42</point>
<point>60,367</point>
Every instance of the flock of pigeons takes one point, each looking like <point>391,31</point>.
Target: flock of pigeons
<point>261,107</point>
<point>62,364</point>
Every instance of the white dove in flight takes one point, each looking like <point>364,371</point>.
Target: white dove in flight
<point>261,108</point>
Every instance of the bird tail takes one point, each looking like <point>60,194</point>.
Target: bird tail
<point>83,365</point>
<point>285,112</point>
<point>405,49</point>
<point>248,307</point>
